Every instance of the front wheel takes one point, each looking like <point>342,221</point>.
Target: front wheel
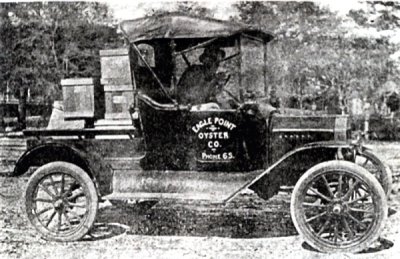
<point>375,166</point>
<point>338,206</point>
<point>61,201</point>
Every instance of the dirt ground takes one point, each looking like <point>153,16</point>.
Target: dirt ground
<point>248,227</point>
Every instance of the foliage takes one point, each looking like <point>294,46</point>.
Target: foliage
<point>5,52</point>
<point>185,7</point>
<point>46,42</point>
<point>315,57</point>
<point>379,14</point>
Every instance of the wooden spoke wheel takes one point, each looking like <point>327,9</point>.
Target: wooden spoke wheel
<point>374,165</point>
<point>347,216</point>
<point>61,201</point>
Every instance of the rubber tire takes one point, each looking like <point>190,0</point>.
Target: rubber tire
<point>387,175</point>
<point>355,170</point>
<point>87,184</point>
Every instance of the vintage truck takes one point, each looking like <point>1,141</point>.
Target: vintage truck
<point>137,141</point>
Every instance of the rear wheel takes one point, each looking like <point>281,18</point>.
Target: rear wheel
<point>61,201</point>
<point>347,216</point>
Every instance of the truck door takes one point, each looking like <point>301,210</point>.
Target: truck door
<point>215,139</point>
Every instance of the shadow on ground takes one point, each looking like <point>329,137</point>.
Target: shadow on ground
<point>237,220</point>
<point>378,246</point>
<point>102,231</point>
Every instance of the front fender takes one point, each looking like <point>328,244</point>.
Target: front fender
<point>92,163</point>
<point>290,167</point>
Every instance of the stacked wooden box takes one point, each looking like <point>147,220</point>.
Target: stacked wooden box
<point>103,102</point>
<point>116,78</point>
<point>83,98</point>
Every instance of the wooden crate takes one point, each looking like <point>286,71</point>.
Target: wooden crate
<point>116,76</point>
<point>115,66</point>
<point>83,98</point>
<point>118,99</point>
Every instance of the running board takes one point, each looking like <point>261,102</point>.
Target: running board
<point>161,196</point>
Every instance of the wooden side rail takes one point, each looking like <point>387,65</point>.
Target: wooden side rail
<point>78,132</point>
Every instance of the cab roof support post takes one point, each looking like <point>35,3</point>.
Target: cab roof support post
<point>174,89</point>
<point>266,86</point>
<point>132,70</point>
<point>134,105</point>
<point>239,50</point>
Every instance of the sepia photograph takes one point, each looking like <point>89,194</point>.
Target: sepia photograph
<point>200,129</point>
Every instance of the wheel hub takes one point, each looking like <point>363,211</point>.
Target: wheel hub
<point>337,209</point>
<point>58,204</point>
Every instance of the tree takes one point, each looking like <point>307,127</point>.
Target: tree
<point>185,7</point>
<point>380,26</point>
<point>316,55</point>
<point>51,41</point>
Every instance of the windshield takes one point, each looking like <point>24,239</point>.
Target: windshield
<point>241,68</point>
<point>253,65</point>
<point>236,63</point>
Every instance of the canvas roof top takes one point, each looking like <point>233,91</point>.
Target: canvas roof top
<point>180,26</point>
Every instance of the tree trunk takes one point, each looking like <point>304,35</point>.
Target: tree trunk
<point>23,92</point>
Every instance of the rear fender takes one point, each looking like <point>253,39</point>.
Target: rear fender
<point>92,163</point>
<point>288,169</point>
